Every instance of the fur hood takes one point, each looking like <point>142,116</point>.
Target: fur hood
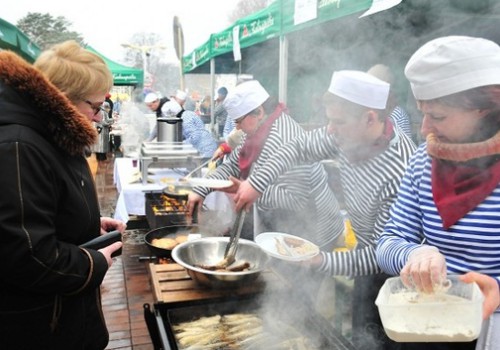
<point>46,105</point>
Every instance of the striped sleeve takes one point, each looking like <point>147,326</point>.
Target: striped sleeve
<point>402,120</point>
<point>310,147</point>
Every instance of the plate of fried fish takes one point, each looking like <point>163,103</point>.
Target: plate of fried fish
<point>286,247</point>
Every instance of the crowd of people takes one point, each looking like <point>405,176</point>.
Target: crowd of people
<point>420,212</point>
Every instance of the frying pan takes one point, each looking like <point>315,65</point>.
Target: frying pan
<point>178,191</point>
<point>172,232</point>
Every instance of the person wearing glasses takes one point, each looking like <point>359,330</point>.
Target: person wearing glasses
<point>49,285</point>
<point>451,225</point>
<point>300,202</point>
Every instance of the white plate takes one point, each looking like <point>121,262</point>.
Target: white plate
<point>269,241</point>
<point>212,183</point>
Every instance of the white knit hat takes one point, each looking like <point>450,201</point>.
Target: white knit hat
<point>360,88</point>
<point>151,97</point>
<point>170,109</point>
<point>244,98</point>
<point>452,64</point>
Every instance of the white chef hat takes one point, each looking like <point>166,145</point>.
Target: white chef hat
<point>170,109</point>
<point>452,64</point>
<point>181,95</point>
<point>244,98</point>
<point>151,97</point>
<point>360,88</point>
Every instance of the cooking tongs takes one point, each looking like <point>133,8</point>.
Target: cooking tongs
<point>232,245</point>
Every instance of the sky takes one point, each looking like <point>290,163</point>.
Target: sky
<point>105,25</point>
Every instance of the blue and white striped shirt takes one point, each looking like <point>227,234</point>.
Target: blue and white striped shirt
<point>194,132</point>
<point>471,244</point>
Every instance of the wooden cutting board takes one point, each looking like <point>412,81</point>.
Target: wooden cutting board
<point>171,284</point>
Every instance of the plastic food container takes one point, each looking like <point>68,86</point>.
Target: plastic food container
<point>452,314</point>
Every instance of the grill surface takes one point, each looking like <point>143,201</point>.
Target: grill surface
<point>179,299</point>
<point>162,210</point>
<point>279,315</point>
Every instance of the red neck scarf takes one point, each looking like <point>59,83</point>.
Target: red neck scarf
<point>253,144</point>
<point>459,189</point>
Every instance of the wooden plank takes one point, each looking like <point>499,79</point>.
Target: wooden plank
<point>155,282</point>
<point>171,283</point>
<point>172,276</point>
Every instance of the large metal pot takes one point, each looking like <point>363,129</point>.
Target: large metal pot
<point>169,129</point>
<point>210,251</point>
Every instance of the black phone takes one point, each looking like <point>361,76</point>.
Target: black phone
<point>105,240</point>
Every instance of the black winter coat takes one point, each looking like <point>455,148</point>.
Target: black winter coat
<point>49,287</point>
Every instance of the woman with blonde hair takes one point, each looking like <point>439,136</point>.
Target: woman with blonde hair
<point>49,285</point>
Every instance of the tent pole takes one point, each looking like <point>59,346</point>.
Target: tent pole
<point>181,50</point>
<point>283,68</point>
<point>212,99</point>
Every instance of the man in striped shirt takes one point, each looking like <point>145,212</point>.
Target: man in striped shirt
<point>372,156</point>
<point>446,219</point>
<point>300,202</point>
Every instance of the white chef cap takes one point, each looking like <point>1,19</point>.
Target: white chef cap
<point>181,95</point>
<point>170,108</point>
<point>360,88</point>
<point>244,98</point>
<point>452,64</point>
<point>151,97</point>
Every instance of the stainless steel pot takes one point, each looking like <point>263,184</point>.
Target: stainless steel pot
<point>169,129</point>
<point>210,251</point>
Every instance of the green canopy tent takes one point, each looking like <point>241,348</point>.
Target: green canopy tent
<point>263,40</point>
<point>122,75</point>
<point>274,21</point>
<point>11,38</point>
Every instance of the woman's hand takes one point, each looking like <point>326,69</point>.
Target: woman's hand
<point>110,224</point>
<point>218,154</point>
<point>221,151</point>
<point>110,249</point>
<point>245,196</point>
<point>490,288</point>
<point>425,268</point>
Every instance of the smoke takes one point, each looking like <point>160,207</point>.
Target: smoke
<point>389,37</point>
<point>134,127</point>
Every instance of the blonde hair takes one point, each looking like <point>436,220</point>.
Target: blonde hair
<point>75,71</point>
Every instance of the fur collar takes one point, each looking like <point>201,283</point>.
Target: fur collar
<point>68,128</point>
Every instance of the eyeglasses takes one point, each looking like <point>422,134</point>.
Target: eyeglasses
<point>95,108</point>
<point>239,120</point>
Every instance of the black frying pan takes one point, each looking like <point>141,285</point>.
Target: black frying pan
<point>178,191</point>
<point>178,233</point>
